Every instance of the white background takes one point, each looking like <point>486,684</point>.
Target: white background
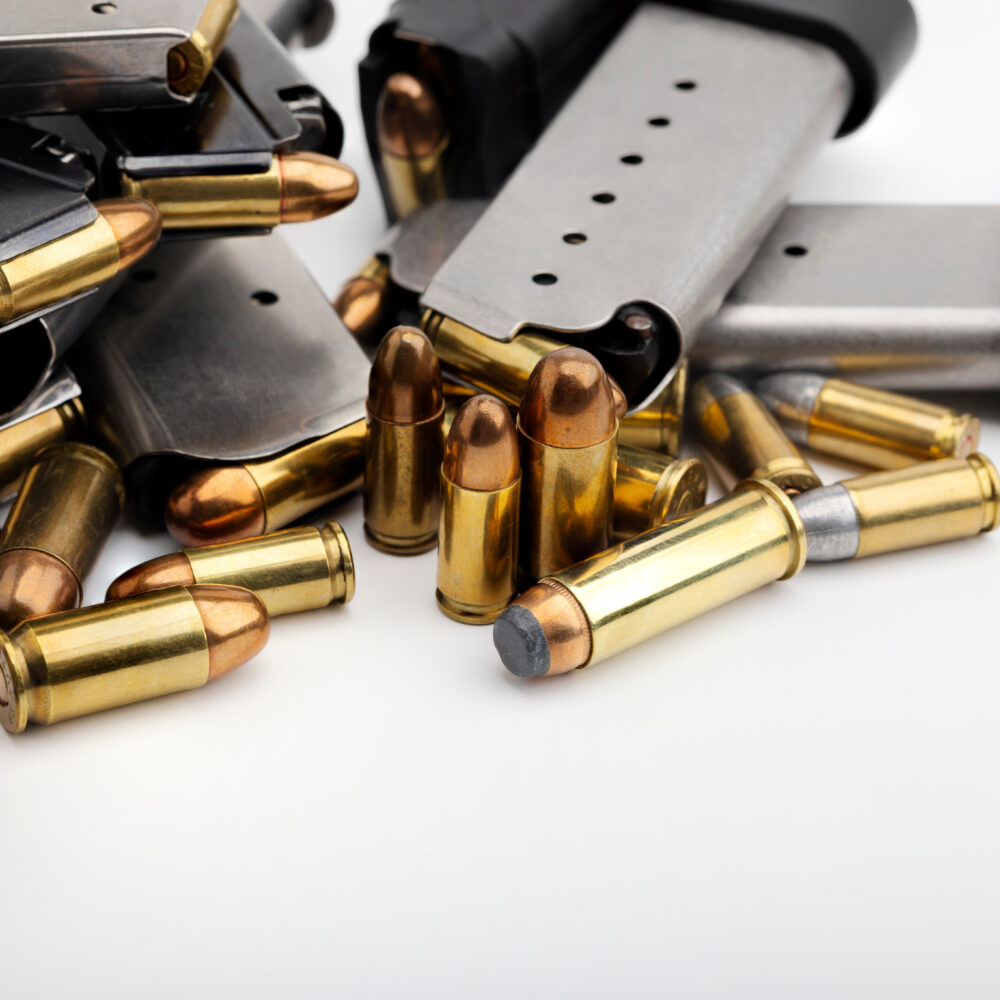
<point>794,796</point>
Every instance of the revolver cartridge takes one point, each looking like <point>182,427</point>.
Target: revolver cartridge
<point>480,501</point>
<point>652,489</point>
<point>19,443</point>
<point>64,513</point>
<point>81,662</point>
<point>869,426</point>
<point>297,569</point>
<point>937,501</point>
<point>740,433</point>
<point>653,582</point>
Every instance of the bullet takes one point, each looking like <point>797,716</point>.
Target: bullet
<point>230,502</point>
<point>412,138</point>
<point>189,63</point>
<point>869,426</point>
<point>298,569</point>
<point>652,582</point>
<point>64,513</point>
<point>567,428</point>
<point>740,433</point>
<point>652,489</point>
<point>659,426</point>
<point>80,662</point>
<point>363,302</point>
<point>20,442</point>
<point>480,502</point>
<point>298,187</point>
<point>404,444</point>
<point>125,230</point>
<point>937,501</point>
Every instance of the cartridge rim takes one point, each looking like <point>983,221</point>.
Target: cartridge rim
<point>681,490</point>
<point>797,534</point>
<point>13,704</point>
<point>471,614</point>
<point>337,544</point>
<point>989,480</point>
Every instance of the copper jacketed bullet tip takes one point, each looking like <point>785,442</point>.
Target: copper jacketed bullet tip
<point>173,570</point>
<point>569,401</point>
<point>481,452</point>
<point>364,300</point>
<point>621,401</point>
<point>136,225</point>
<point>410,122</point>
<point>32,584</point>
<point>404,386</point>
<point>314,186</point>
<point>236,624</point>
<point>216,505</point>
<point>544,632</point>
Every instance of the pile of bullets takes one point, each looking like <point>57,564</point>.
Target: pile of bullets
<point>506,378</point>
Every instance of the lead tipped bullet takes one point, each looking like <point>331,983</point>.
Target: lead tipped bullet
<point>125,230</point>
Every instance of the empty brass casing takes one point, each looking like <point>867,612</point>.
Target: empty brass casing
<point>70,501</point>
<point>85,661</point>
<point>189,63</point>
<point>660,426</point>
<point>742,435</point>
<point>501,368</point>
<point>872,427</point>
<point>21,442</point>
<point>652,489</point>
<point>298,481</point>
<point>676,572</point>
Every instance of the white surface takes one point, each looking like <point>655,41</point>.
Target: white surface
<point>795,796</point>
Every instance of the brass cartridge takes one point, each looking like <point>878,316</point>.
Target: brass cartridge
<point>189,63</point>
<point>937,501</point>
<point>230,502</point>
<point>125,230</point>
<point>64,513</point>
<point>740,433</point>
<point>297,569</point>
<point>659,426</point>
<point>652,489</point>
<point>869,426</point>
<point>363,302</point>
<point>413,138</point>
<point>568,429</point>
<point>80,662</point>
<point>298,187</point>
<point>480,501</point>
<point>652,582</point>
<point>404,444</point>
<point>21,442</point>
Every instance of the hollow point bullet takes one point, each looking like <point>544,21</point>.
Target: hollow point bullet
<point>650,583</point>
<point>363,301</point>
<point>298,187</point>
<point>85,661</point>
<point>413,137</point>
<point>872,427</point>
<point>64,513</point>
<point>230,502</point>
<point>567,426</point>
<point>404,444</point>
<point>480,501</point>
<point>744,438</point>
<point>936,501</point>
<point>125,230</point>
<point>652,489</point>
<point>298,569</point>
<point>20,442</point>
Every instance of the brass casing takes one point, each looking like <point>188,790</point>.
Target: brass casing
<point>676,572</point>
<point>886,430</point>
<point>297,569</point>
<point>567,503</point>
<point>212,201</point>
<point>79,662</point>
<point>298,481</point>
<point>501,368</point>
<point>58,269</point>
<point>477,551</point>
<point>21,442</point>
<point>660,426</point>
<point>402,483</point>
<point>189,63</point>
<point>748,442</point>
<point>70,501</point>
<point>925,503</point>
<point>413,182</point>
<point>652,489</point>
